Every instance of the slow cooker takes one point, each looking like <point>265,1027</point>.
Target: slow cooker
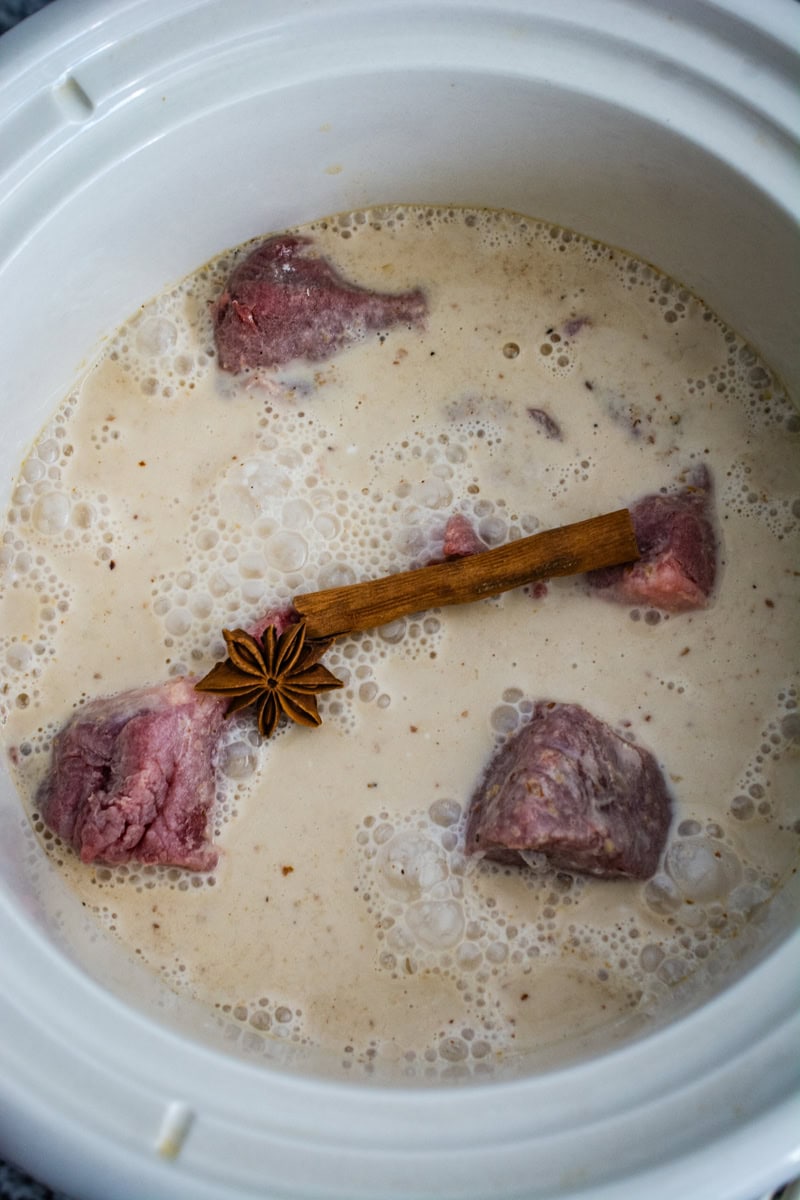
<point>137,139</point>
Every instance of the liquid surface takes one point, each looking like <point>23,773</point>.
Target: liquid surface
<point>167,499</point>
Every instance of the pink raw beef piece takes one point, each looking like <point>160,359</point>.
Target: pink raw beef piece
<point>678,545</point>
<point>567,787</point>
<point>284,302</point>
<point>460,538</point>
<point>281,618</point>
<point>132,778</point>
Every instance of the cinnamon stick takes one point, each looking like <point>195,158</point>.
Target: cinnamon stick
<point>603,541</point>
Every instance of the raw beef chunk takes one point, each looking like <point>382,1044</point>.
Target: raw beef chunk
<point>678,546</point>
<point>283,302</point>
<point>460,538</point>
<point>569,788</point>
<point>132,778</point>
<point>281,618</point>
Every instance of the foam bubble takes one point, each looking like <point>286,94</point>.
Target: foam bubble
<point>436,924</point>
<point>702,870</point>
<point>410,864</point>
<point>238,760</point>
<point>51,513</point>
<point>155,336</point>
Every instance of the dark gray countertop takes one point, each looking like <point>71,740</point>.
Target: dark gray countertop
<point>12,11</point>
<point>16,1186</point>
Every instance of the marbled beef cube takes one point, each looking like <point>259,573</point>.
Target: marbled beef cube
<point>678,547</point>
<point>283,302</point>
<point>132,778</point>
<point>568,787</point>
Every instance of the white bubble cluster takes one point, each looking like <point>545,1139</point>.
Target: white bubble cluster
<point>266,1015</point>
<point>559,345</point>
<point>168,346</point>
<point>675,302</point>
<point>429,917</point>
<point>779,513</point>
<point>46,520</point>
<point>780,737</point>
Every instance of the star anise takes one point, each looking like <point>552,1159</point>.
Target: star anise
<point>280,675</point>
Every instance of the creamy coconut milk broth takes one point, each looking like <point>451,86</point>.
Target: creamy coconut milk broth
<point>166,500</point>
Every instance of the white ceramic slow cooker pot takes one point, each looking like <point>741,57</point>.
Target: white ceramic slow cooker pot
<point>138,138</point>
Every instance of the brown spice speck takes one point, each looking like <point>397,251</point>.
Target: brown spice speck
<point>286,870</point>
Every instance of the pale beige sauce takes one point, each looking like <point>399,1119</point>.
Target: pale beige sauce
<point>215,498</point>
